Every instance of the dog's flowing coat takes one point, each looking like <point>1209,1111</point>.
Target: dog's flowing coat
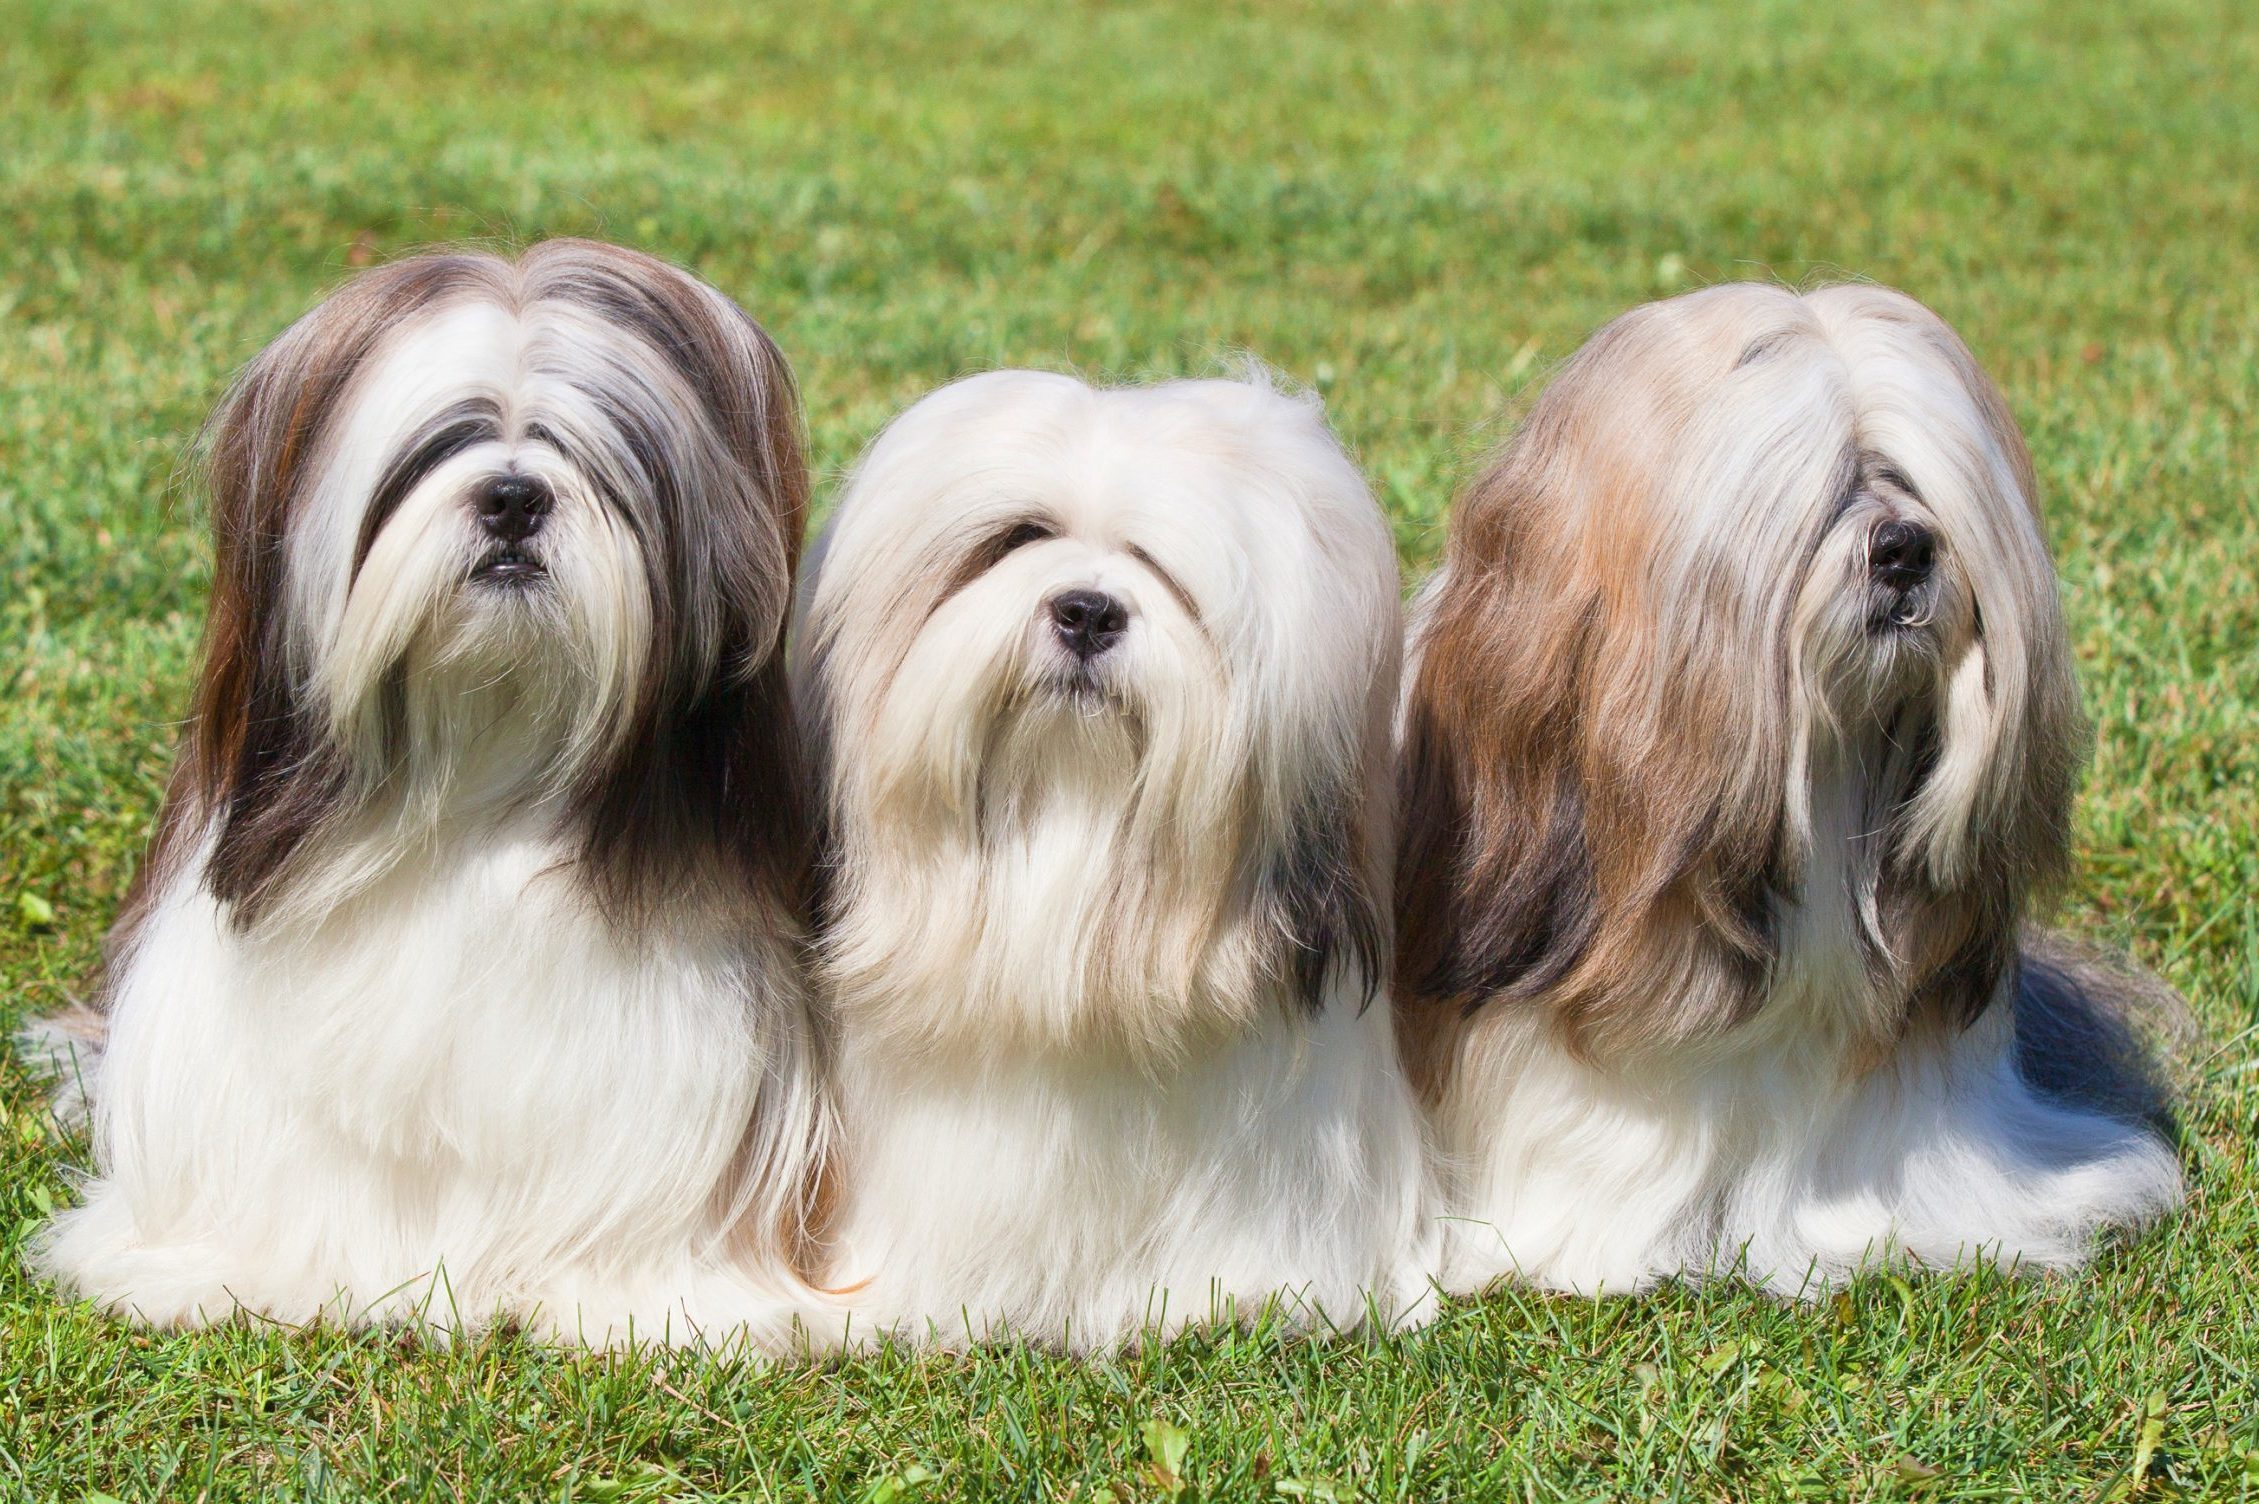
<point>462,980</point>
<point>1105,679</point>
<point>1740,729</point>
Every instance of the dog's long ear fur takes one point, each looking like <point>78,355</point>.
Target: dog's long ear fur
<point>1328,883</point>
<point>1985,830</point>
<point>710,778</point>
<point>254,773</point>
<point>1583,818</point>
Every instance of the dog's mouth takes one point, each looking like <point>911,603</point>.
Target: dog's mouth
<point>509,568</point>
<point>1082,687</point>
<point>1894,613</point>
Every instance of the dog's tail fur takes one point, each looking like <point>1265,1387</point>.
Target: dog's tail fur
<point>66,1049</point>
<point>2097,1031</point>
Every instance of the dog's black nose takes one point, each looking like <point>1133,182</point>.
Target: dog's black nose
<point>1900,553</point>
<point>1088,621</point>
<point>510,507</point>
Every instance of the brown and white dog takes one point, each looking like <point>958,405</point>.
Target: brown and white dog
<point>1740,732</point>
<point>462,980</point>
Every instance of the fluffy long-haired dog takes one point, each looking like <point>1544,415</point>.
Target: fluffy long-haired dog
<point>462,981</point>
<point>1105,678</point>
<point>1741,732</point>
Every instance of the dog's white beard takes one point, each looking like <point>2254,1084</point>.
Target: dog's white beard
<point>459,1097</point>
<point>447,699</point>
<point>1043,869</point>
<point>1081,1100</point>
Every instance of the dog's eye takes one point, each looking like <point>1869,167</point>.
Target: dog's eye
<point>1020,537</point>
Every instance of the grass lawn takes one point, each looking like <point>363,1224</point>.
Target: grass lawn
<point>1417,208</point>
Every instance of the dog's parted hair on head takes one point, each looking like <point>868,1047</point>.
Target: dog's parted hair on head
<point>462,979</point>
<point>1104,679</point>
<point>1740,736</point>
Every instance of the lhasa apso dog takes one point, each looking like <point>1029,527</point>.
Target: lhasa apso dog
<point>1104,679</point>
<point>461,982</point>
<point>1741,730</point>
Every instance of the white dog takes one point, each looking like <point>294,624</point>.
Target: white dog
<point>1740,731</point>
<point>461,982</point>
<point>1105,678</point>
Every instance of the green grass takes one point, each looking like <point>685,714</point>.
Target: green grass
<point>1419,209</point>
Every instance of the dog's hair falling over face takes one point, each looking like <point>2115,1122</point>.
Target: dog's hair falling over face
<point>1105,679</point>
<point>461,980</point>
<point>1741,732</point>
